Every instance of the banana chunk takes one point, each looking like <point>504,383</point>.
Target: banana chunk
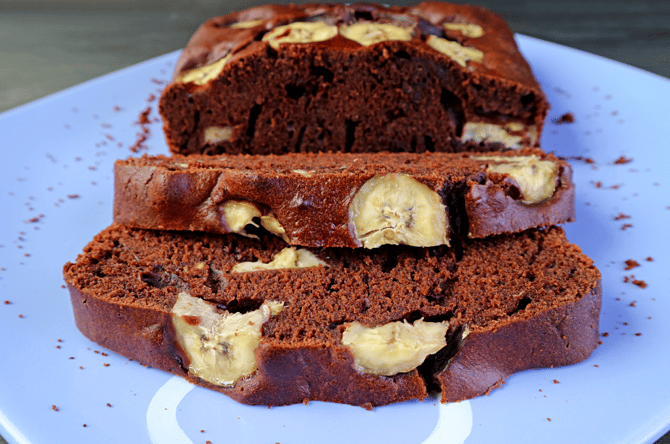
<point>287,258</point>
<point>467,29</point>
<point>247,24</point>
<point>396,209</point>
<point>270,223</point>
<point>220,347</point>
<point>455,51</point>
<point>300,32</point>
<point>237,214</point>
<point>512,135</point>
<point>368,33</point>
<point>537,179</point>
<point>396,347</point>
<point>204,74</point>
<point>216,134</point>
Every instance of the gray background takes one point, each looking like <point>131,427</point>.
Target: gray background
<point>50,45</point>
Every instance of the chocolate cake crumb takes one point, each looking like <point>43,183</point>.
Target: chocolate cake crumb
<point>35,219</point>
<point>621,216</point>
<point>649,259</point>
<point>640,283</point>
<point>605,334</point>
<point>106,364</point>
<point>623,160</point>
<point>109,405</point>
<point>54,408</point>
<point>556,382</point>
<point>73,196</point>
<point>85,425</point>
<point>638,334</point>
<point>21,316</point>
<point>8,302</point>
<point>144,116</point>
<point>630,264</point>
<point>549,419</point>
<point>624,227</point>
<point>144,123</point>
<point>565,118</point>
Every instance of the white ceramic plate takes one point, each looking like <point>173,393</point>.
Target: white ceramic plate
<point>57,190</point>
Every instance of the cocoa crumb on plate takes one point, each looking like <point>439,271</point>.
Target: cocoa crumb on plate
<point>565,118</point>
<point>631,263</point>
<point>640,283</point>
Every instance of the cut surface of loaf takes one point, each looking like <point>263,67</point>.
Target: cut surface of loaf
<point>354,78</point>
<point>347,199</point>
<point>269,324</point>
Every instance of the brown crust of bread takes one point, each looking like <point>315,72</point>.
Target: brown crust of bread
<point>186,192</point>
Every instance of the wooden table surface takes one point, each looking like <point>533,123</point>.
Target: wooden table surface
<point>49,45</point>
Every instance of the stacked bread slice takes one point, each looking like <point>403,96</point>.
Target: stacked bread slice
<point>356,211</point>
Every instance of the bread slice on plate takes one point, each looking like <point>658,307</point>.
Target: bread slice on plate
<point>346,199</point>
<point>265,323</point>
<point>355,78</point>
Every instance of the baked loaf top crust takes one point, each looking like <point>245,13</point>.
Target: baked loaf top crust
<point>505,304</point>
<point>317,77</point>
<point>346,199</point>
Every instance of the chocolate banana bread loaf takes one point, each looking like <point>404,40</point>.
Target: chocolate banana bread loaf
<point>346,199</point>
<point>269,324</point>
<point>355,78</point>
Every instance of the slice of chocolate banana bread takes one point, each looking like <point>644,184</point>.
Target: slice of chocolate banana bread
<point>269,324</point>
<point>347,199</point>
<point>354,78</point>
